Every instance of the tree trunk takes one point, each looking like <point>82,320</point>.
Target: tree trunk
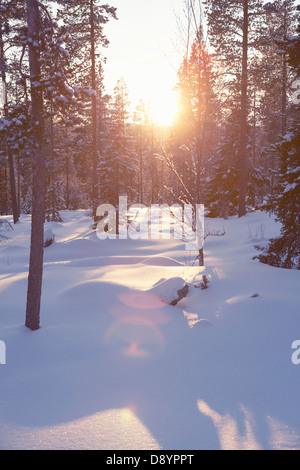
<point>153,168</point>
<point>52,166</point>
<point>12,180</point>
<point>67,182</point>
<point>6,190</point>
<point>284,75</point>
<point>243,126</point>
<point>13,192</point>
<point>38,195</point>
<point>141,162</point>
<point>94,113</point>
<point>19,183</point>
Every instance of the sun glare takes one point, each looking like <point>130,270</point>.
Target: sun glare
<point>154,86</point>
<point>163,109</point>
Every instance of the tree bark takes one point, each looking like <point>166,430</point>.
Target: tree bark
<point>38,196</point>
<point>94,113</point>
<point>243,126</point>
<point>153,168</point>
<point>141,162</point>
<point>13,192</point>
<point>67,183</point>
<point>12,180</point>
<point>284,75</point>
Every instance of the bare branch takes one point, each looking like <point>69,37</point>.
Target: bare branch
<point>213,232</point>
<point>171,166</point>
<point>47,14</point>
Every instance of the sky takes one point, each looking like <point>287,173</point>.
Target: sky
<point>144,51</point>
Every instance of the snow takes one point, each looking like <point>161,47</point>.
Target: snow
<point>288,136</point>
<point>115,367</point>
<point>290,187</point>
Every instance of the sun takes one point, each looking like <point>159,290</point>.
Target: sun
<point>154,85</point>
<point>163,108</point>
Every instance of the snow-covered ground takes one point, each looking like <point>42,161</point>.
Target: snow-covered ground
<point>115,367</point>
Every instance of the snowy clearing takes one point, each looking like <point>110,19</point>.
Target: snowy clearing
<point>115,367</point>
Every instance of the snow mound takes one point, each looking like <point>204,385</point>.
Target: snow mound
<point>115,302</point>
<point>115,367</point>
<point>167,289</point>
<point>124,260</point>
<point>74,249</point>
<point>92,292</point>
<point>161,261</point>
<point>48,237</point>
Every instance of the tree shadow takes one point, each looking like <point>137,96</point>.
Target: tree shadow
<point>106,347</point>
<point>132,363</point>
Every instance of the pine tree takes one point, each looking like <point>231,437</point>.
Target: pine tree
<point>119,163</point>
<point>195,123</point>
<point>38,206</point>
<point>84,22</point>
<point>9,10</point>
<point>48,62</point>
<point>233,28</point>
<point>222,189</point>
<point>284,251</point>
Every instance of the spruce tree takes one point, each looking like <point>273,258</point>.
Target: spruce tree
<point>284,251</point>
<point>119,163</point>
<point>84,21</point>
<point>194,125</point>
<point>10,10</point>
<point>233,31</point>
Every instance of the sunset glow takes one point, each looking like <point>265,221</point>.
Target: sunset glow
<point>163,108</point>
<point>148,58</point>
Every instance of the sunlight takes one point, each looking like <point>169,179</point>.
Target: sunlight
<point>114,428</point>
<point>134,350</point>
<point>142,300</point>
<point>282,435</point>
<point>228,430</point>
<point>136,341</point>
<point>127,414</point>
<point>8,281</point>
<point>237,298</point>
<point>163,107</point>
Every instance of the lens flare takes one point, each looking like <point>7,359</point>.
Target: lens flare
<point>135,341</point>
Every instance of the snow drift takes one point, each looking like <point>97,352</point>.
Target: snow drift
<point>114,366</point>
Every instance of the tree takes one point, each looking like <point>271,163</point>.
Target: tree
<point>243,122</point>
<point>118,165</point>
<point>138,119</point>
<point>84,21</point>
<point>195,85</point>
<point>94,109</point>
<point>284,251</point>
<point>196,89</point>
<point>48,81</point>
<point>38,203</point>
<point>222,195</point>
<point>233,31</point>
<point>8,10</point>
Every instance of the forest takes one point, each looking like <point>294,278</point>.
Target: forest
<point>148,341</point>
<point>233,146</point>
